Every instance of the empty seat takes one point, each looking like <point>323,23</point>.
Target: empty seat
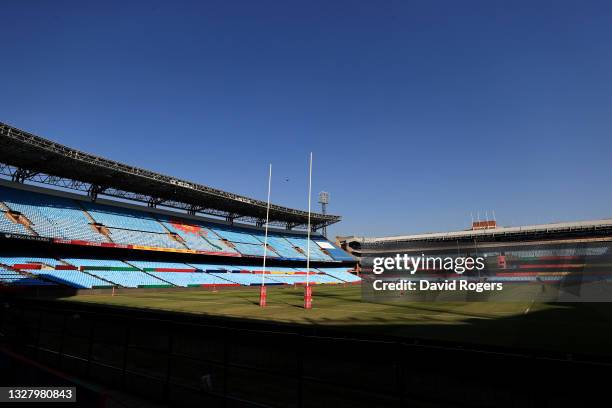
<point>341,273</point>
<point>8,226</point>
<point>151,266</point>
<point>51,216</point>
<point>75,279</point>
<point>129,279</point>
<point>21,260</point>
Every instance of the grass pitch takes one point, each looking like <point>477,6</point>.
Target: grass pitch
<point>576,328</point>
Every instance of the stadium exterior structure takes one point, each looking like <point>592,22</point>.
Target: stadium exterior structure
<point>580,230</point>
<point>27,157</point>
<point>535,253</point>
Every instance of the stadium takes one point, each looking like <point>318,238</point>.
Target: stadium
<point>133,285</point>
<point>167,237</point>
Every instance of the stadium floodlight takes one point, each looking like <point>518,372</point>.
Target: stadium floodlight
<point>262,289</point>
<point>324,200</point>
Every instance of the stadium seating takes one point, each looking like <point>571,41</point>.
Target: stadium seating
<point>285,279</point>
<point>24,260</point>
<point>143,238</point>
<point>194,236</point>
<point>11,278</point>
<point>252,250</point>
<point>68,219</point>
<point>236,236</point>
<point>313,279</point>
<point>217,242</point>
<point>215,268</point>
<point>130,279</point>
<point>341,273</point>
<point>51,216</point>
<point>336,253</point>
<point>323,278</point>
<point>209,238</point>
<point>185,279</point>
<point>89,273</point>
<point>8,226</point>
<point>123,218</point>
<point>283,247</point>
<point>152,266</point>
<point>72,278</point>
<point>315,251</point>
<point>271,269</point>
<point>109,264</point>
<point>247,279</point>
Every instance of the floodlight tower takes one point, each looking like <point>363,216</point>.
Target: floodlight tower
<point>324,200</point>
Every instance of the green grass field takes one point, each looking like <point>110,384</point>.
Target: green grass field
<point>578,328</point>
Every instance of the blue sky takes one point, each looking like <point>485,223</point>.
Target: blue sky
<point>418,112</point>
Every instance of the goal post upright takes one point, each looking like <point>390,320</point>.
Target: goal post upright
<point>263,297</point>
<point>308,290</point>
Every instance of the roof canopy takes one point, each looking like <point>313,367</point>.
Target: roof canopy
<point>25,156</point>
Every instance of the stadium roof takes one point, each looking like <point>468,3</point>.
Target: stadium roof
<point>605,224</point>
<point>24,156</point>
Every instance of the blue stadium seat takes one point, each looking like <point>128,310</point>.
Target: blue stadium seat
<point>246,279</point>
<point>189,278</point>
<point>315,252</point>
<point>143,238</point>
<point>51,216</point>
<point>124,218</point>
<point>129,279</point>
<point>341,273</point>
<point>13,278</point>
<point>6,225</point>
<point>108,263</point>
<point>75,279</point>
<point>194,236</point>
<point>284,248</point>
<point>150,265</point>
<point>71,219</point>
<point>12,260</point>
<point>253,249</point>
<point>335,252</point>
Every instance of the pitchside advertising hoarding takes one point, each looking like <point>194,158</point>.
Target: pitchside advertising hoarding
<point>491,272</point>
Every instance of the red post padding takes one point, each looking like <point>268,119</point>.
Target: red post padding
<point>263,296</point>
<point>308,297</point>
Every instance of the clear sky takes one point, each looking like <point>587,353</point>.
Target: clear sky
<point>418,112</point>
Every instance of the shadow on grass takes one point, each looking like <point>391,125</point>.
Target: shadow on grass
<point>573,328</point>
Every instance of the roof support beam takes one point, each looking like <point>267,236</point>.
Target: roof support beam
<point>21,175</point>
<point>27,157</point>
<point>94,190</point>
<point>193,209</point>
<point>154,202</point>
